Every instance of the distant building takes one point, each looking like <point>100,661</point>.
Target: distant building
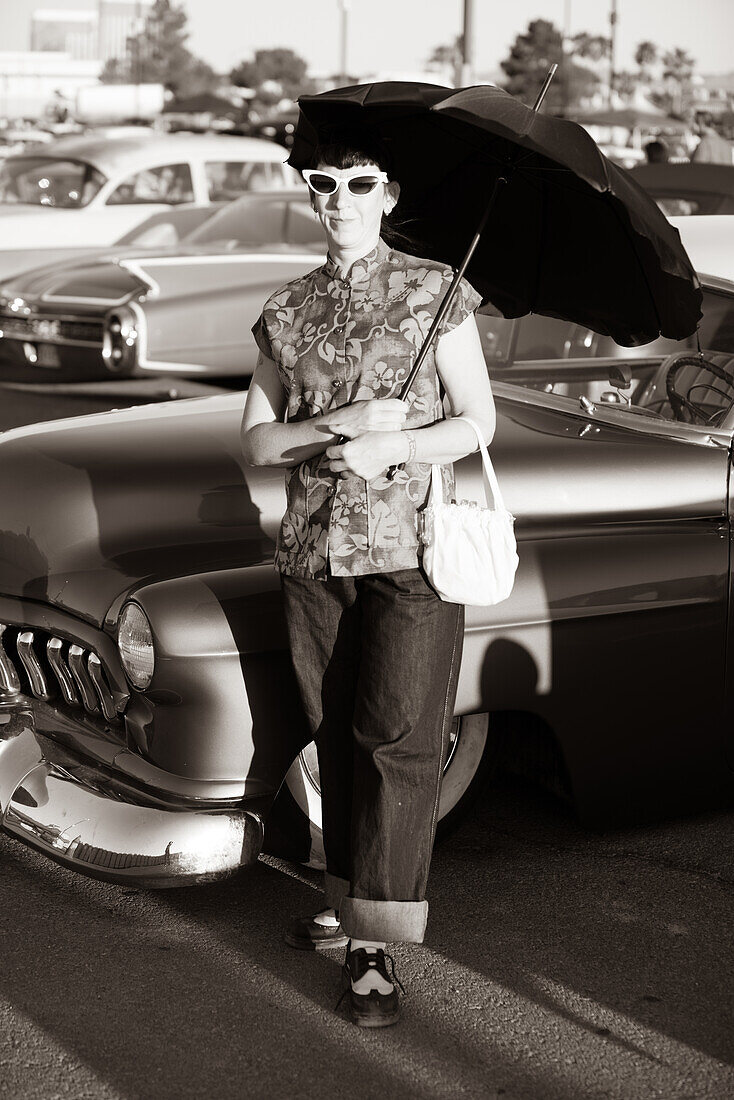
<point>63,31</point>
<point>118,20</point>
<point>29,80</point>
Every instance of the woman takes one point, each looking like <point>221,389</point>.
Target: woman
<point>376,652</point>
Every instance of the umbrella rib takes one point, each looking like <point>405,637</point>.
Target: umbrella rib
<point>630,238</point>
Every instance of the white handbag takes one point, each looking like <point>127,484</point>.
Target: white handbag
<point>469,552</point>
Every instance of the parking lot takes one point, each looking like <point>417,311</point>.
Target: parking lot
<point>559,964</point>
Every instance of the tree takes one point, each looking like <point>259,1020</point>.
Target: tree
<point>626,83</point>
<point>532,54</point>
<point>677,92</point>
<point>272,75</point>
<point>594,46</point>
<point>646,56</point>
<point>449,59</point>
<point>158,55</point>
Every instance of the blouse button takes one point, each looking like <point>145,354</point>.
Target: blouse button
<point>337,383</point>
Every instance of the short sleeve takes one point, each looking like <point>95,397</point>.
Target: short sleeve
<point>466,300</point>
<point>260,332</point>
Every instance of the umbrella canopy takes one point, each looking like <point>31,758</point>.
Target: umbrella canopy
<point>571,235</point>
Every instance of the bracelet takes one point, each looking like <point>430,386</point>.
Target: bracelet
<point>411,445</point>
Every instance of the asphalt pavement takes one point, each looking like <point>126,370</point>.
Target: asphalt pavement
<point>559,965</point>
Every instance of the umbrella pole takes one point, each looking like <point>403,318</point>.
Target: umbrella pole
<point>451,292</point>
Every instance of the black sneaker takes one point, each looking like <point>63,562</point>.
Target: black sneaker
<point>373,1009</point>
<point>308,935</point>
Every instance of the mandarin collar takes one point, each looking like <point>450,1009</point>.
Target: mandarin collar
<point>362,269</point>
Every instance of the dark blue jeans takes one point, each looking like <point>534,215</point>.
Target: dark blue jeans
<point>377,661</point>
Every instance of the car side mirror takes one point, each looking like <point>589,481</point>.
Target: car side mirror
<point>620,376</point>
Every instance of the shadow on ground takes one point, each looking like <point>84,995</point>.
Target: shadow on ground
<point>558,964</point>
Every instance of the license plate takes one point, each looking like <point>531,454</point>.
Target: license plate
<point>48,356</point>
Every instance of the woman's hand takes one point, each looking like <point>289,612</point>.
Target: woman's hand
<point>368,455</point>
<point>382,414</point>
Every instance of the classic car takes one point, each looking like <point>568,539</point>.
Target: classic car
<point>90,189</point>
<point>186,310</point>
<point>689,189</point>
<point>149,716</point>
<point>164,229</point>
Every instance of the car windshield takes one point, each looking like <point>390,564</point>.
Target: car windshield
<point>663,379</point>
<point>47,181</point>
<point>249,224</point>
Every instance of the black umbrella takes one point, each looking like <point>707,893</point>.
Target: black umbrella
<point>569,235</point>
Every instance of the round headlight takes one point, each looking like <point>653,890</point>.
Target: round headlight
<point>135,645</point>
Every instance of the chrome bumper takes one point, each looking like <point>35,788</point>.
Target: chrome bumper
<point>88,823</point>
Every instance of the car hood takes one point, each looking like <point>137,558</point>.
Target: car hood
<point>95,505</point>
<point>120,274</point>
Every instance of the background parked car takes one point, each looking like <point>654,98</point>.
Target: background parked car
<point>686,189</point>
<point>191,307</point>
<point>185,311</point>
<point>89,190</point>
<point>278,127</point>
<point>163,229</point>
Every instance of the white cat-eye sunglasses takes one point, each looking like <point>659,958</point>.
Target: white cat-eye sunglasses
<point>359,180</point>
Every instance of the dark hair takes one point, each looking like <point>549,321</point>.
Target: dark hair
<point>365,148</point>
<point>656,152</point>
<point>348,146</point>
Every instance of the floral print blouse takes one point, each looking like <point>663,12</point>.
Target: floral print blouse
<point>342,337</point>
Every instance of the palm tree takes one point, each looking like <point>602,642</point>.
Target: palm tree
<point>646,55</point>
<point>678,66</point>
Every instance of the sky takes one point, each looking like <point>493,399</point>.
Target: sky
<point>399,35</point>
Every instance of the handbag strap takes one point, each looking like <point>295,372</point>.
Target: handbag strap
<point>491,484</point>
<point>492,494</point>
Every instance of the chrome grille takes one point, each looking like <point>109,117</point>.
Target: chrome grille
<point>52,668</point>
<point>82,332</point>
<point>54,330</point>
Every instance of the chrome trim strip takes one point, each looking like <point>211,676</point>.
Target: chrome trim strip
<point>9,679</point>
<point>75,318</point>
<point>80,300</point>
<point>78,668</point>
<point>94,667</point>
<point>136,267</point>
<point>57,341</point>
<point>54,652</point>
<point>36,675</point>
<point>97,829</point>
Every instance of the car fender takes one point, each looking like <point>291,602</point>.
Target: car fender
<point>223,702</point>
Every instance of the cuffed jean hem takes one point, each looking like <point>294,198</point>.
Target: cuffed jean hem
<point>334,890</point>
<point>384,921</point>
